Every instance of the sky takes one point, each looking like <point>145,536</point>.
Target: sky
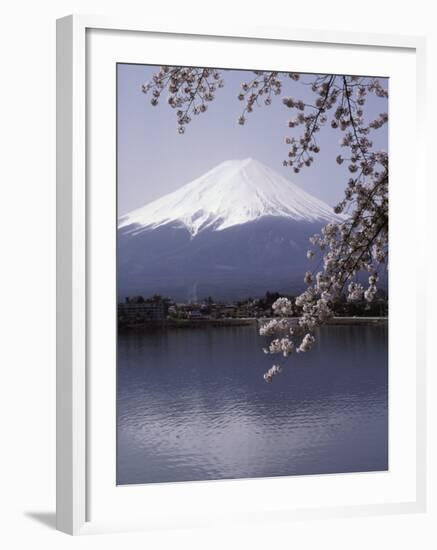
<point>154,159</point>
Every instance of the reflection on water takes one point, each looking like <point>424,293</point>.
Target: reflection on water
<point>192,405</point>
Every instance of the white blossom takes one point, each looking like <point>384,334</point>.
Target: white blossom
<point>275,326</point>
<point>355,292</point>
<point>189,90</point>
<point>273,371</point>
<point>307,343</point>
<point>283,307</point>
<point>280,345</point>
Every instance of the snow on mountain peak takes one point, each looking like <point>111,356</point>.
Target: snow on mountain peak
<point>233,193</point>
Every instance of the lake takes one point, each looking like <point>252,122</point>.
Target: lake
<point>192,405</point>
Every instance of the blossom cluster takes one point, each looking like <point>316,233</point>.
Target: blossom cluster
<point>357,243</point>
<point>307,343</point>
<point>275,326</point>
<point>189,90</point>
<point>355,292</point>
<point>273,371</point>
<point>280,345</point>
<point>282,306</point>
<point>260,89</point>
<point>339,101</point>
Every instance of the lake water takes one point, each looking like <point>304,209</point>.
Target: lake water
<point>192,405</point>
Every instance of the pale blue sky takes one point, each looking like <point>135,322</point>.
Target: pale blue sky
<point>153,159</point>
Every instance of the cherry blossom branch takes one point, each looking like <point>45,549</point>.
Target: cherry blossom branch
<point>358,241</point>
<point>189,90</point>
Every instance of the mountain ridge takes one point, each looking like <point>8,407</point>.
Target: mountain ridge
<point>232,193</point>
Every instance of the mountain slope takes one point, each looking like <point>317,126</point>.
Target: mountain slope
<point>241,261</point>
<point>238,231</point>
<point>233,193</point>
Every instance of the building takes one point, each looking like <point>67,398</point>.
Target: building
<point>196,315</point>
<point>138,310</point>
<point>248,311</point>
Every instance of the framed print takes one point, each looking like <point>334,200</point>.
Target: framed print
<point>232,335</point>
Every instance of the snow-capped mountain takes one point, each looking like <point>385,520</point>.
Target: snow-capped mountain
<point>233,193</point>
<point>238,231</point>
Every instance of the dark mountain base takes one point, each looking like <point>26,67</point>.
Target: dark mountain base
<point>235,263</point>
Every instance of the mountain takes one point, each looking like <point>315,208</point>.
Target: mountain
<point>241,229</point>
<point>233,193</point>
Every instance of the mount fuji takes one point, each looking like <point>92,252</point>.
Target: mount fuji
<point>237,231</point>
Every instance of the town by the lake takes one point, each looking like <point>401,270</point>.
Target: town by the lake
<point>158,311</point>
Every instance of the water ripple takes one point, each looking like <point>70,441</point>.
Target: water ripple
<point>209,415</point>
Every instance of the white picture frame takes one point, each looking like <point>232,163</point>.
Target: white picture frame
<point>74,341</point>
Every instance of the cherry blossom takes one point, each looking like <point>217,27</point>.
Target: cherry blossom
<point>190,90</point>
<point>342,251</point>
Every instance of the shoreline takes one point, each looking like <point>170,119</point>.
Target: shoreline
<point>204,323</point>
